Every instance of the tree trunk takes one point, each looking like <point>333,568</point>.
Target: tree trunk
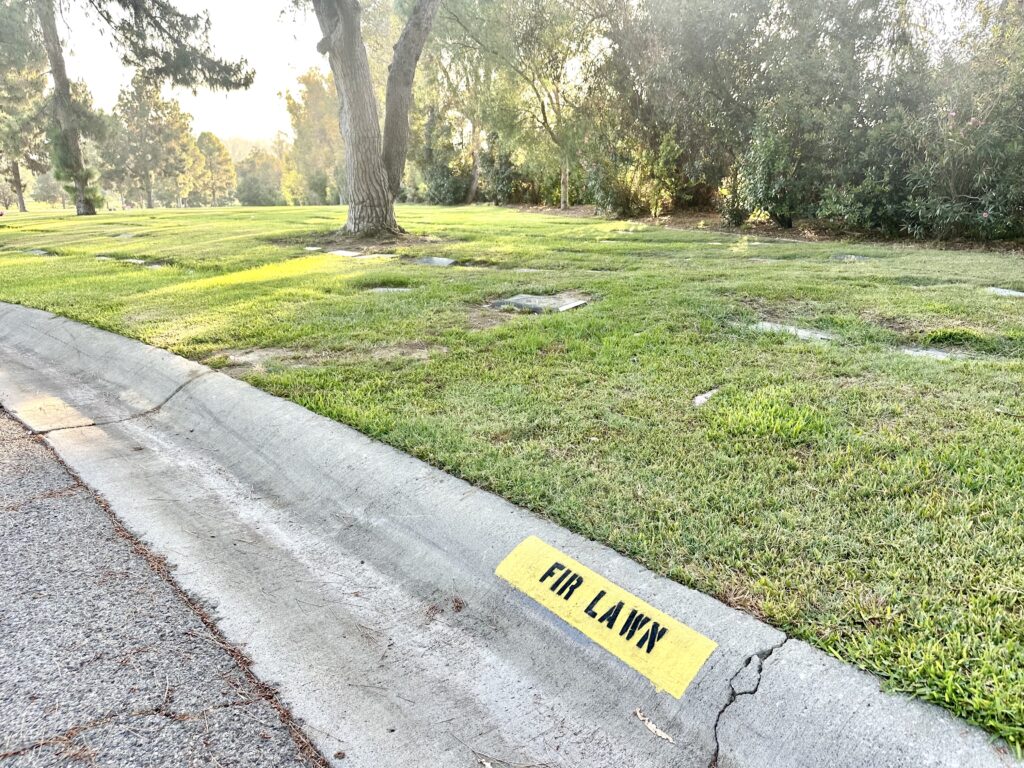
<point>374,167</point>
<point>19,188</point>
<point>149,191</point>
<point>371,208</point>
<point>401,74</point>
<point>69,136</point>
<point>565,185</point>
<point>474,181</point>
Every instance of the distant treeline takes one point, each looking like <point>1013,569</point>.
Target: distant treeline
<point>884,116</point>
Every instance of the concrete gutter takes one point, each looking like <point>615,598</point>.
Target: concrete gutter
<point>362,584</point>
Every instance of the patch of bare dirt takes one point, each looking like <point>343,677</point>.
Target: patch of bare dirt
<point>255,360</point>
<point>240,362</point>
<point>778,311</point>
<point>408,350</point>
<point>576,211</point>
<point>900,325</point>
<point>484,318</point>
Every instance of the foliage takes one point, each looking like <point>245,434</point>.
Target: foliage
<point>317,149</point>
<point>259,179</point>
<point>46,189</point>
<point>854,114</point>
<point>93,127</point>
<point>446,174</point>
<point>149,151</point>
<point>220,179</point>
<point>8,195</point>
<point>163,43</point>
<point>23,123</point>
<point>501,177</point>
<point>20,46</point>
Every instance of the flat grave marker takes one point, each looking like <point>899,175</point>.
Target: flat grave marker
<point>434,261</point>
<point>806,334</point>
<point>933,354</point>
<point>700,400</point>
<point>1006,292</point>
<point>536,305</point>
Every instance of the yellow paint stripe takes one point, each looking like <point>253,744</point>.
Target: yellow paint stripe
<point>665,651</point>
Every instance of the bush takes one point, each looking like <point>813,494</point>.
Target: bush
<point>501,181</point>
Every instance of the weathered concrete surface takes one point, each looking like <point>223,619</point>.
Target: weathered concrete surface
<point>434,261</point>
<point>361,582</point>
<point>101,662</point>
<point>1006,292</point>
<point>527,302</point>
<point>703,399</point>
<point>772,721</point>
<point>805,334</point>
<point>934,354</point>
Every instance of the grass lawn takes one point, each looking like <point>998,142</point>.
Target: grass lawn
<point>863,499</point>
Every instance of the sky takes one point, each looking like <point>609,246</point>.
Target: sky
<point>278,42</point>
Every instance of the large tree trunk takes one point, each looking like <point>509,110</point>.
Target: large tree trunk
<point>374,167</point>
<point>401,74</point>
<point>371,208</point>
<point>69,135</point>
<point>19,188</point>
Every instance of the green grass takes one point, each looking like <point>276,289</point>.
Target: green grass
<point>859,498</point>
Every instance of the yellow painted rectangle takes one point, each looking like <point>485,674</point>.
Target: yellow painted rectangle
<point>665,651</point>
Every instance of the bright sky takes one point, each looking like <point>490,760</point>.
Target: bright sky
<point>279,43</point>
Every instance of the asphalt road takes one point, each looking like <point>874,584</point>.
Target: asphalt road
<point>103,661</point>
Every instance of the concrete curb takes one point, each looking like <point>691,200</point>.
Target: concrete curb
<point>362,583</point>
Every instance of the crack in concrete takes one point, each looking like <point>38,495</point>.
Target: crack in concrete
<point>148,412</point>
<point>760,658</point>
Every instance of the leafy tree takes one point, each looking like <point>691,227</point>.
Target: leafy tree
<point>550,51</point>
<point>7,194</point>
<point>47,189</point>
<point>154,37</point>
<point>220,179</point>
<point>259,179</point>
<point>318,152</point>
<point>189,176</point>
<point>22,126</point>
<point>150,142</point>
<point>23,120</point>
